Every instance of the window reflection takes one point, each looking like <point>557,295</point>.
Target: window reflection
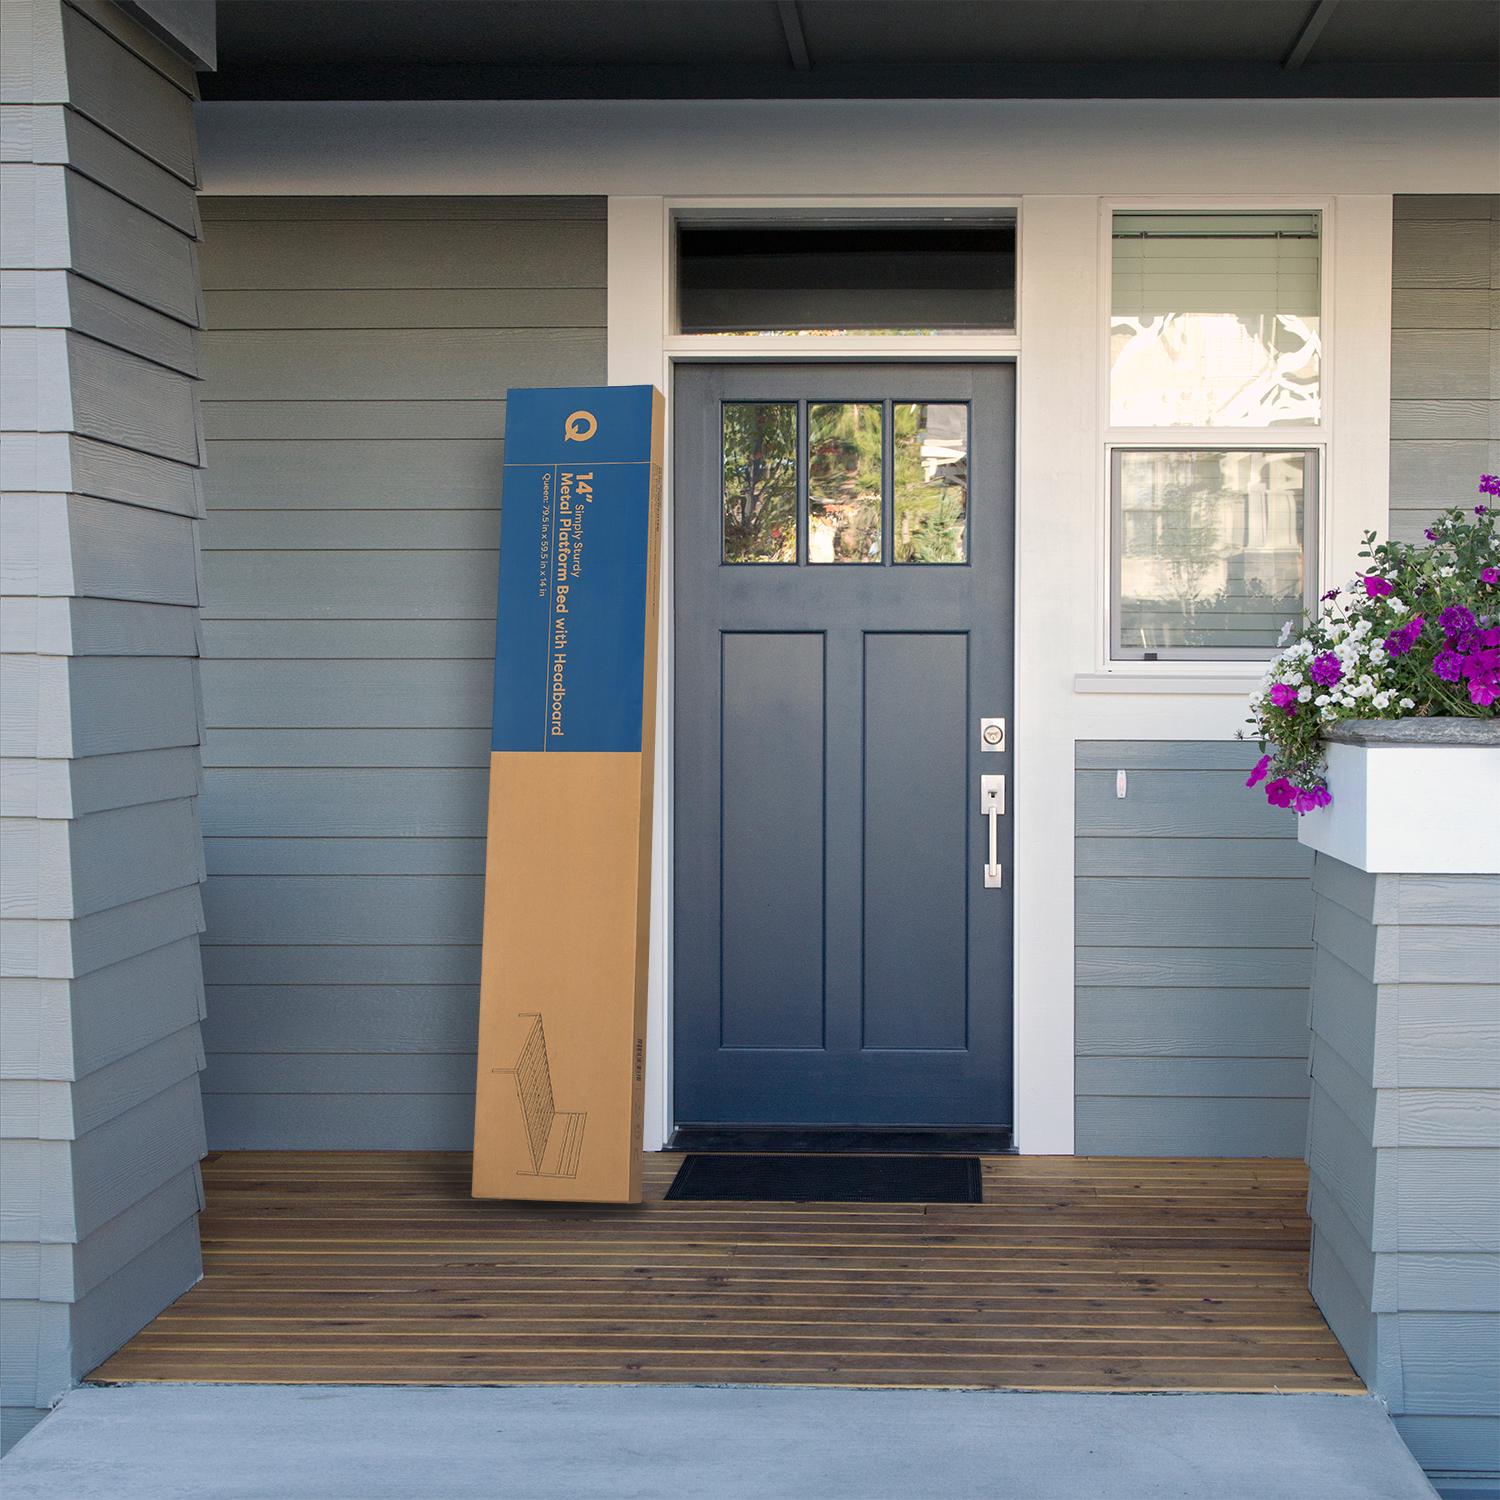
<point>1215,320</point>
<point>843,482</point>
<point>1210,547</point>
<point>932,481</point>
<point>760,482</point>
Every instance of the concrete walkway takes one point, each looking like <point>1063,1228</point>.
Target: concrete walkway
<point>201,1442</point>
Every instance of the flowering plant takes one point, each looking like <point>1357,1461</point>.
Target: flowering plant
<point>1417,633</point>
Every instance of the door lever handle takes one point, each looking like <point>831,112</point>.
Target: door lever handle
<point>992,806</point>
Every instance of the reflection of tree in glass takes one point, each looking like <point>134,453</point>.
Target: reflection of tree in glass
<point>932,481</point>
<point>760,482</point>
<point>843,473</point>
<point>1191,538</point>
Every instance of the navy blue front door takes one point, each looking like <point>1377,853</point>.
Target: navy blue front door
<point>842,617</point>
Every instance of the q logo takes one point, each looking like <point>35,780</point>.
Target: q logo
<point>580,427</point>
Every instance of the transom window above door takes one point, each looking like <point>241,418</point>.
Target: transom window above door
<point>859,482</point>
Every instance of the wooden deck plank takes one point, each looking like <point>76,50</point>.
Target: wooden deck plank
<point>1074,1274</point>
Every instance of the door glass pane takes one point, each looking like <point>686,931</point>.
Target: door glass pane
<point>932,481</point>
<point>1210,548</point>
<point>843,482</point>
<point>760,481</point>
<point>1215,320</point>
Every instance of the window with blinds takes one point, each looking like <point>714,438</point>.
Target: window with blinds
<point>1214,320</point>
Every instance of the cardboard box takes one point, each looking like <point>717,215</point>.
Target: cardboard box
<point>562,993</point>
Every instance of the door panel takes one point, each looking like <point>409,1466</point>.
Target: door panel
<point>838,958</point>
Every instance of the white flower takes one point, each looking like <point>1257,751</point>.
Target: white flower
<point>1396,604</point>
<point>1381,700</point>
<point>1304,694</point>
<point>1408,703</point>
<point>1321,700</point>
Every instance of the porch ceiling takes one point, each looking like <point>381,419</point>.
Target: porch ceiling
<point>912,49</point>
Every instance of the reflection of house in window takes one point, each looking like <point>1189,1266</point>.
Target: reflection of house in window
<point>1211,549</point>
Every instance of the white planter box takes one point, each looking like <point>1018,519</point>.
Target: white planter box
<point>1418,809</point>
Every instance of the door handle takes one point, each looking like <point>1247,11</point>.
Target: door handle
<point>992,806</point>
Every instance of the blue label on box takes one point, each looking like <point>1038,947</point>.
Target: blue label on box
<point>575,526</point>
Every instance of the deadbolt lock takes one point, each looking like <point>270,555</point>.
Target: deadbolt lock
<point>992,734</point>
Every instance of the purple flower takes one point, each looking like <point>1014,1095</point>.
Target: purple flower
<point>1305,799</point>
<point>1481,510</point>
<point>1259,773</point>
<point>1484,693</point>
<point>1326,669</point>
<point>1376,586</point>
<point>1430,534</point>
<point>1489,484</point>
<point>1284,696</point>
<point>1399,642</point>
<point>1279,793</point>
<point>1482,670</point>
<point>1448,665</point>
<point>1331,594</point>
<point>1456,619</point>
<point>1490,575</point>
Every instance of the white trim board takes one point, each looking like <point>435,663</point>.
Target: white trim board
<point>826,147</point>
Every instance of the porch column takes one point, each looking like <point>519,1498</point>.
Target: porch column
<point>101,1125</point>
<point>1404,1189</point>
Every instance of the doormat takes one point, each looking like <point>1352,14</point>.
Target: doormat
<point>828,1179</point>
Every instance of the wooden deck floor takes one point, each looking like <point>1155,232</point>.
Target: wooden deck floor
<point>1075,1274</point>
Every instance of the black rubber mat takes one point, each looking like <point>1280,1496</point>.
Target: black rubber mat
<point>829,1179</point>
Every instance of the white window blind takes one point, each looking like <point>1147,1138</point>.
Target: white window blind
<point>1215,320</point>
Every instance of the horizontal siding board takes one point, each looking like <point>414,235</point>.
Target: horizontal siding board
<point>1273,968</point>
<point>62,1028</point>
<point>414,307</point>
<point>341,1122</point>
<point>1166,755</point>
<point>265,420</point>
<point>120,1307</point>
<point>356,694</point>
<point>1217,1127</point>
<point>401,363</point>
<point>390,530</point>
<point>130,402</point>
<point>1414,307</point>
<point>1467,1445</point>
<point>334,856</point>
<point>353,803</point>
<point>1192,1077</point>
<point>1427,419</point>
<point>1160,912</point>
<point>344,909</point>
<point>1179,804</point>
<point>1439,206</point>
<point>115,87</point>
<point>370,966</point>
<point>286,1073</point>
<point>342,640</point>
<point>379,254</point>
<point>319,748</point>
<point>404,474</point>
<point>1448,253</point>
<point>1430,476</point>
<point>1200,859</point>
<point>1208,1021</point>
<point>1445,364</point>
<point>349,585</point>
<point>132,252</point>
<point>296,1019</point>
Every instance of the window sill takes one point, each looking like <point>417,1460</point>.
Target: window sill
<point>1238,685</point>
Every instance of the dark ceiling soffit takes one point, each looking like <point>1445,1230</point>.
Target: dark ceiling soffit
<point>1264,80</point>
<point>1312,29</point>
